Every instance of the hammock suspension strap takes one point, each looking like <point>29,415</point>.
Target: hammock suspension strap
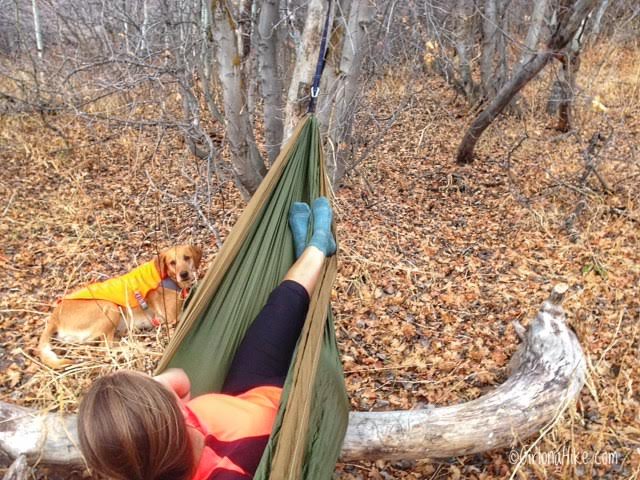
<point>315,86</point>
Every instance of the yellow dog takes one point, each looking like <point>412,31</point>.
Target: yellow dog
<point>151,293</point>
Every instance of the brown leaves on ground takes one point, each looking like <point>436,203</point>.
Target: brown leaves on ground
<point>436,260</point>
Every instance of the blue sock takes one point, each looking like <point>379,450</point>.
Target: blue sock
<point>299,224</point>
<point>322,237</point>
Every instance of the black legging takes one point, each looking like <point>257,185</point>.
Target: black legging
<point>265,353</point>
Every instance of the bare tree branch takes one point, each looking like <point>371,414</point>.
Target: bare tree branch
<point>569,22</point>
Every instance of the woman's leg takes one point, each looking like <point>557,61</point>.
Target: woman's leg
<point>265,353</point>
<point>306,271</point>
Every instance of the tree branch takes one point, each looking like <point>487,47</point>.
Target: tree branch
<point>568,24</point>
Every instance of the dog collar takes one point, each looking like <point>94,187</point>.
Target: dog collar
<point>172,285</point>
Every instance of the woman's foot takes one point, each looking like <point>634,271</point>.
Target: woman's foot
<point>299,224</point>
<point>322,237</point>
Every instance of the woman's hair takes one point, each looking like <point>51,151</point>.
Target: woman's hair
<point>131,428</point>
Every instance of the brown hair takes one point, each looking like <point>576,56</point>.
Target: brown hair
<point>131,428</point>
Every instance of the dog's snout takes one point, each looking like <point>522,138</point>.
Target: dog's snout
<point>184,275</point>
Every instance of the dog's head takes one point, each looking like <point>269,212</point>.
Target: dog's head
<point>180,263</point>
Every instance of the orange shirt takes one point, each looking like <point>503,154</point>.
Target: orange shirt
<point>236,430</point>
<point>121,290</point>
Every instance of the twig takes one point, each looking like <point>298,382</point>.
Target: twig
<point>613,341</point>
<point>194,204</point>
<point>86,145</point>
<point>597,143</point>
<point>6,209</point>
<point>22,310</point>
<point>506,164</point>
<point>391,121</point>
<point>620,212</point>
<point>570,221</point>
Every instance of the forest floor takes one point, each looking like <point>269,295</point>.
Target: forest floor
<point>436,259</point>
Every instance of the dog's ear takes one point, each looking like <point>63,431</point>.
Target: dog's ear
<point>161,263</point>
<point>196,252</point>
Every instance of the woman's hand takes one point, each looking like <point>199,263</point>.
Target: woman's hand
<point>177,381</point>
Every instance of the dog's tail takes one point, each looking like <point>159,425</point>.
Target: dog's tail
<point>47,354</point>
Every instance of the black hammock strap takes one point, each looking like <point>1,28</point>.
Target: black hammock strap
<point>322,57</point>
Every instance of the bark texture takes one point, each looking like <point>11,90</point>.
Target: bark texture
<point>464,34</point>
<point>547,373</point>
<point>247,162</point>
<point>49,438</point>
<point>305,64</point>
<point>535,30</point>
<point>570,66</point>
<point>270,79</point>
<point>597,20</point>
<point>343,88</point>
<point>36,28</point>
<point>566,83</point>
<point>452,58</point>
<point>489,46</point>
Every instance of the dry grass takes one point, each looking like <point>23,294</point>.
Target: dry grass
<point>61,390</point>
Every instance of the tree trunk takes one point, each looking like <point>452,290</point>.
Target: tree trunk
<point>570,65</point>
<point>331,86</point>
<point>526,72</point>
<point>535,29</point>
<point>568,24</point>
<point>458,72</point>
<point>144,28</point>
<point>337,41</point>
<point>463,41</point>
<point>36,28</point>
<point>270,78</point>
<point>347,86</point>
<point>305,64</point>
<point>501,70</point>
<point>597,19</point>
<point>331,75</point>
<point>546,374</point>
<point>248,37</point>
<point>247,162</point>
<point>489,40</point>
<point>567,81</point>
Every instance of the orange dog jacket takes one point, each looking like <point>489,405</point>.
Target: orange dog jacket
<point>121,290</point>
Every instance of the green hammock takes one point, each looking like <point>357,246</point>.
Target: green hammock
<point>307,436</point>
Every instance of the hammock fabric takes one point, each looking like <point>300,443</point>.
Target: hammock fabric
<point>307,436</point>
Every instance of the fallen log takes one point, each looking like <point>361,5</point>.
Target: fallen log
<point>546,374</point>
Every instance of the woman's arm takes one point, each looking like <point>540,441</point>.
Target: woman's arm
<point>176,380</point>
